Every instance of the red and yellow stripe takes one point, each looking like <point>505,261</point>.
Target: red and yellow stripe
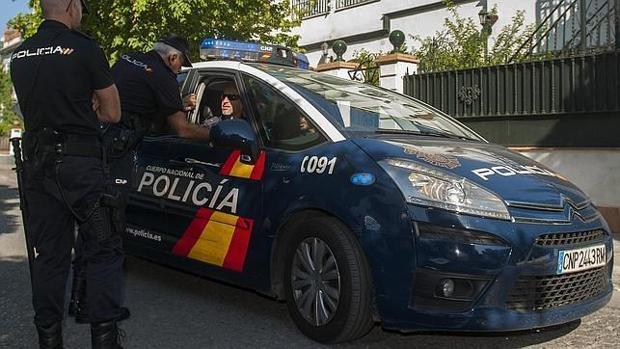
<point>216,238</point>
<point>235,168</point>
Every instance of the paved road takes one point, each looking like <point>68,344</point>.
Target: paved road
<point>173,309</point>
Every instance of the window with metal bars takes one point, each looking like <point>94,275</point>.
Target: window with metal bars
<point>309,8</point>
<point>340,4</point>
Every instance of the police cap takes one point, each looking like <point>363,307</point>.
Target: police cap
<point>179,43</point>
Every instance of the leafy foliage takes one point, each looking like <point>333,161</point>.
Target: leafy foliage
<point>461,45</point>
<point>125,25</point>
<point>8,118</point>
<point>367,64</point>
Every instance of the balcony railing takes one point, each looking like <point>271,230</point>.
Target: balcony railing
<point>310,8</point>
<point>348,3</point>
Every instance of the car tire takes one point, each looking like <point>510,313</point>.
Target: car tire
<point>321,257</point>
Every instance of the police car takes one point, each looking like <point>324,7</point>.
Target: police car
<point>358,205</point>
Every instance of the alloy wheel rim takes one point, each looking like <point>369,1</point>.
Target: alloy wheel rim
<point>315,281</point>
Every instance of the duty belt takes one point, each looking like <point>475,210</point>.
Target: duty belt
<point>50,141</point>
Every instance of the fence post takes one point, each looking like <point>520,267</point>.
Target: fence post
<point>583,18</point>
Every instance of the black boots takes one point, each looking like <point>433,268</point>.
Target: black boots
<point>50,337</point>
<point>106,335</point>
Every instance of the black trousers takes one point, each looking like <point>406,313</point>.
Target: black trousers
<point>122,173</point>
<point>59,196</point>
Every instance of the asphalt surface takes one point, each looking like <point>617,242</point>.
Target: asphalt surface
<point>171,309</point>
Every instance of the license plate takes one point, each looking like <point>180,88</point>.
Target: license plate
<point>581,259</point>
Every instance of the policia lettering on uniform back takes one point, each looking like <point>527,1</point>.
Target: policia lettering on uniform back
<point>64,87</point>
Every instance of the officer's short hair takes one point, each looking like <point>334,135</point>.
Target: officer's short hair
<point>166,50</point>
<point>53,7</point>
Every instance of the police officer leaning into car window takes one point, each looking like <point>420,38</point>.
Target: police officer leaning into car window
<point>64,86</point>
<point>150,98</point>
<point>151,105</point>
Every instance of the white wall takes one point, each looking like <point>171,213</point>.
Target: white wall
<point>596,171</point>
<point>368,18</point>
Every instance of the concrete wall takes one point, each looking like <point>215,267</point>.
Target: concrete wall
<point>595,171</point>
<point>367,18</point>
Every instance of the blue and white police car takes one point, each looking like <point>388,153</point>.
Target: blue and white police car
<point>359,205</point>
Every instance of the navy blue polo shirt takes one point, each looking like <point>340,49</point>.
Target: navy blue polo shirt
<point>147,87</point>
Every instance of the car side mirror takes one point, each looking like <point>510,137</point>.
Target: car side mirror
<point>236,134</point>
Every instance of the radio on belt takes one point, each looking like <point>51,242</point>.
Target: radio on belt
<point>213,49</point>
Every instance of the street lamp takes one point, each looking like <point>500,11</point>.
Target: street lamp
<point>487,20</point>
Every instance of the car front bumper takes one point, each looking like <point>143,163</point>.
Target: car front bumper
<point>511,281</point>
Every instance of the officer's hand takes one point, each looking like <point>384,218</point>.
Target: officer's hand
<point>95,102</point>
<point>189,102</point>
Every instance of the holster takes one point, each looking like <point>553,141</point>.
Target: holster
<point>115,202</point>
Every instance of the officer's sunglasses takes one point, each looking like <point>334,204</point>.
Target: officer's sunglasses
<point>231,97</point>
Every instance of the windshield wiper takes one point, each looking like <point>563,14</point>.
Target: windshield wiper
<point>434,133</point>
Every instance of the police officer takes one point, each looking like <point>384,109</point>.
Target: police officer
<point>150,97</point>
<point>151,104</point>
<point>64,86</point>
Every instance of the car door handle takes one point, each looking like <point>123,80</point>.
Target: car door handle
<point>189,162</point>
<point>179,163</point>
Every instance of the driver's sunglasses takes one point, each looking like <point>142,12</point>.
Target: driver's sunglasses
<point>231,97</point>
<point>68,6</point>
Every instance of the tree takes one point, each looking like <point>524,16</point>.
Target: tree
<point>461,45</point>
<point>125,25</point>
<point>8,118</point>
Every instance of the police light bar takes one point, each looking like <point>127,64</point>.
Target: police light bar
<point>212,49</point>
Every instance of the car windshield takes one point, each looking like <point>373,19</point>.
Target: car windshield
<point>356,107</point>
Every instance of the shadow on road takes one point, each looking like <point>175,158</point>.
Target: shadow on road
<point>234,310</point>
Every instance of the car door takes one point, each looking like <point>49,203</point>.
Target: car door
<point>147,219</point>
<point>212,198</point>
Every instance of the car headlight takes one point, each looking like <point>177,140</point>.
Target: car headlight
<point>423,185</point>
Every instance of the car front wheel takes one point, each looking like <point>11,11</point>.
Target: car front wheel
<point>327,281</point>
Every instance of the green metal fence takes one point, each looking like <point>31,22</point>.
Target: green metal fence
<point>571,101</point>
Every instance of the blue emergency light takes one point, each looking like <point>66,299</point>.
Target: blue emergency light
<point>212,49</point>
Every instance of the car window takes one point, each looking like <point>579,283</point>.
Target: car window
<point>356,107</point>
<point>283,125</point>
<point>211,107</point>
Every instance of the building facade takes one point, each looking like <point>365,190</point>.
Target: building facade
<point>10,40</point>
<point>366,24</point>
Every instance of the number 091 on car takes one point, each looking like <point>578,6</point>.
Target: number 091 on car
<point>581,259</point>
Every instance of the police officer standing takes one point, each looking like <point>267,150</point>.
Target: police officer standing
<point>64,86</point>
<point>151,104</point>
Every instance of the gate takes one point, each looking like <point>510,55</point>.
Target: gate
<point>570,100</point>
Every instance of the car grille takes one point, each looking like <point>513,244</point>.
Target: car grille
<point>560,239</point>
<point>536,293</point>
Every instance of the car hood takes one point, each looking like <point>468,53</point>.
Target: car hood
<point>518,180</point>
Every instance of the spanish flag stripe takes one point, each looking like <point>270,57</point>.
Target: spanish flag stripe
<point>192,233</point>
<point>214,243</point>
<point>241,170</point>
<point>216,238</point>
<point>230,162</point>
<point>235,258</point>
<point>259,168</point>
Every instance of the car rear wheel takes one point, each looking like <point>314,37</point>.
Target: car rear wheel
<point>327,281</point>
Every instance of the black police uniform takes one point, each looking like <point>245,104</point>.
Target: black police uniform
<point>148,89</point>
<point>149,93</point>
<point>55,73</point>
